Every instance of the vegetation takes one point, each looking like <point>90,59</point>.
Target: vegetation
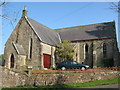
<point>65,51</point>
<point>1,58</point>
<point>108,62</point>
<point>115,7</point>
<point>73,85</point>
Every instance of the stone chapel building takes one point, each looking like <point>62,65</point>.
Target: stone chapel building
<point>33,45</point>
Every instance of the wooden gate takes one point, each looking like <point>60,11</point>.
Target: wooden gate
<point>47,60</point>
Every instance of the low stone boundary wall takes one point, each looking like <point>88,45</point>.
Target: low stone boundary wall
<point>11,78</point>
<point>52,79</point>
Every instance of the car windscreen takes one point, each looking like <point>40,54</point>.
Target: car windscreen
<point>74,62</point>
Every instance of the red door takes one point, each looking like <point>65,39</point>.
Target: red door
<point>46,61</point>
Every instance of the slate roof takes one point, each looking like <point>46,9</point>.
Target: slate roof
<point>19,49</point>
<point>88,32</point>
<point>77,33</point>
<point>46,34</point>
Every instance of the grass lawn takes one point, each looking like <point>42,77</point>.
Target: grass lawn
<point>73,85</point>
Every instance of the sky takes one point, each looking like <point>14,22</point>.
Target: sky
<point>58,15</point>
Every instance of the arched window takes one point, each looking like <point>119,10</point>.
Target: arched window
<point>86,51</point>
<point>91,56</point>
<point>12,61</point>
<point>104,50</point>
<point>30,48</point>
<point>86,48</point>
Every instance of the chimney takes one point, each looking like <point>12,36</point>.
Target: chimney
<point>24,12</point>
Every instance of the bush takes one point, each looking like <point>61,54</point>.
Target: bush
<point>1,59</point>
<point>108,62</point>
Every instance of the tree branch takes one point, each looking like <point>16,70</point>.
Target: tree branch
<point>3,3</point>
<point>115,7</point>
<point>7,17</point>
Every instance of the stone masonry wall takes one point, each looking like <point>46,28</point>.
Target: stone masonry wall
<point>22,35</point>
<point>11,78</point>
<point>95,52</point>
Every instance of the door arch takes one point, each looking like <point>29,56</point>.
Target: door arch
<point>12,61</point>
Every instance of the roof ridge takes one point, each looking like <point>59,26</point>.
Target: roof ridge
<point>83,25</point>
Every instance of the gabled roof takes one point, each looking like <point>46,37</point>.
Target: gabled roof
<point>45,34</point>
<point>88,32</point>
<point>78,33</point>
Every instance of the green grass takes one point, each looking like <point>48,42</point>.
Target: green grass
<point>73,85</point>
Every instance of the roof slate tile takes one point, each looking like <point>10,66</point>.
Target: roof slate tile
<point>88,32</point>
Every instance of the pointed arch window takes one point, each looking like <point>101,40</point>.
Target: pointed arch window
<point>12,61</point>
<point>30,48</point>
<point>86,51</point>
<point>104,50</point>
<point>86,48</point>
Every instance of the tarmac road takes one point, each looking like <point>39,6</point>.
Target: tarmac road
<point>106,86</point>
<point>103,87</point>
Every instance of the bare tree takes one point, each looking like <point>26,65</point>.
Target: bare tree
<point>2,3</point>
<point>115,6</point>
<point>8,16</point>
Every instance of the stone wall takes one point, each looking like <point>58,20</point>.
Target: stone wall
<point>95,52</point>
<point>22,35</point>
<point>11,78</point>
<point>52,79</point>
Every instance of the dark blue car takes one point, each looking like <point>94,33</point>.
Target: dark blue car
<point>70,64</point>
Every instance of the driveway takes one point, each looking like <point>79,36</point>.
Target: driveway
<point>103,87</point>
<point>106,86</point>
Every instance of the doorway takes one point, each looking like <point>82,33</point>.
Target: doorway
<point>47,60</point>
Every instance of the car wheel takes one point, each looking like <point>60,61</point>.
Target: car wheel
<point>63,68</point>
<point>83,68</point>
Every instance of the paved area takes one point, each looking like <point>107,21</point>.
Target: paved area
<point>103,87</point>
<point>106,86</point>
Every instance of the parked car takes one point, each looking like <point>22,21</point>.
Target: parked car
<point>70,64</point>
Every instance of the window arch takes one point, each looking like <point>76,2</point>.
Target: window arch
<point>86,48</point>
<point>104,50</point>
<point>30,48</point>
<point>86,51</point>
<point>91,55</point>
<point>12,61</point>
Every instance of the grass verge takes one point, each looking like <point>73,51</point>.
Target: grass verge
<point>73,85</point>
